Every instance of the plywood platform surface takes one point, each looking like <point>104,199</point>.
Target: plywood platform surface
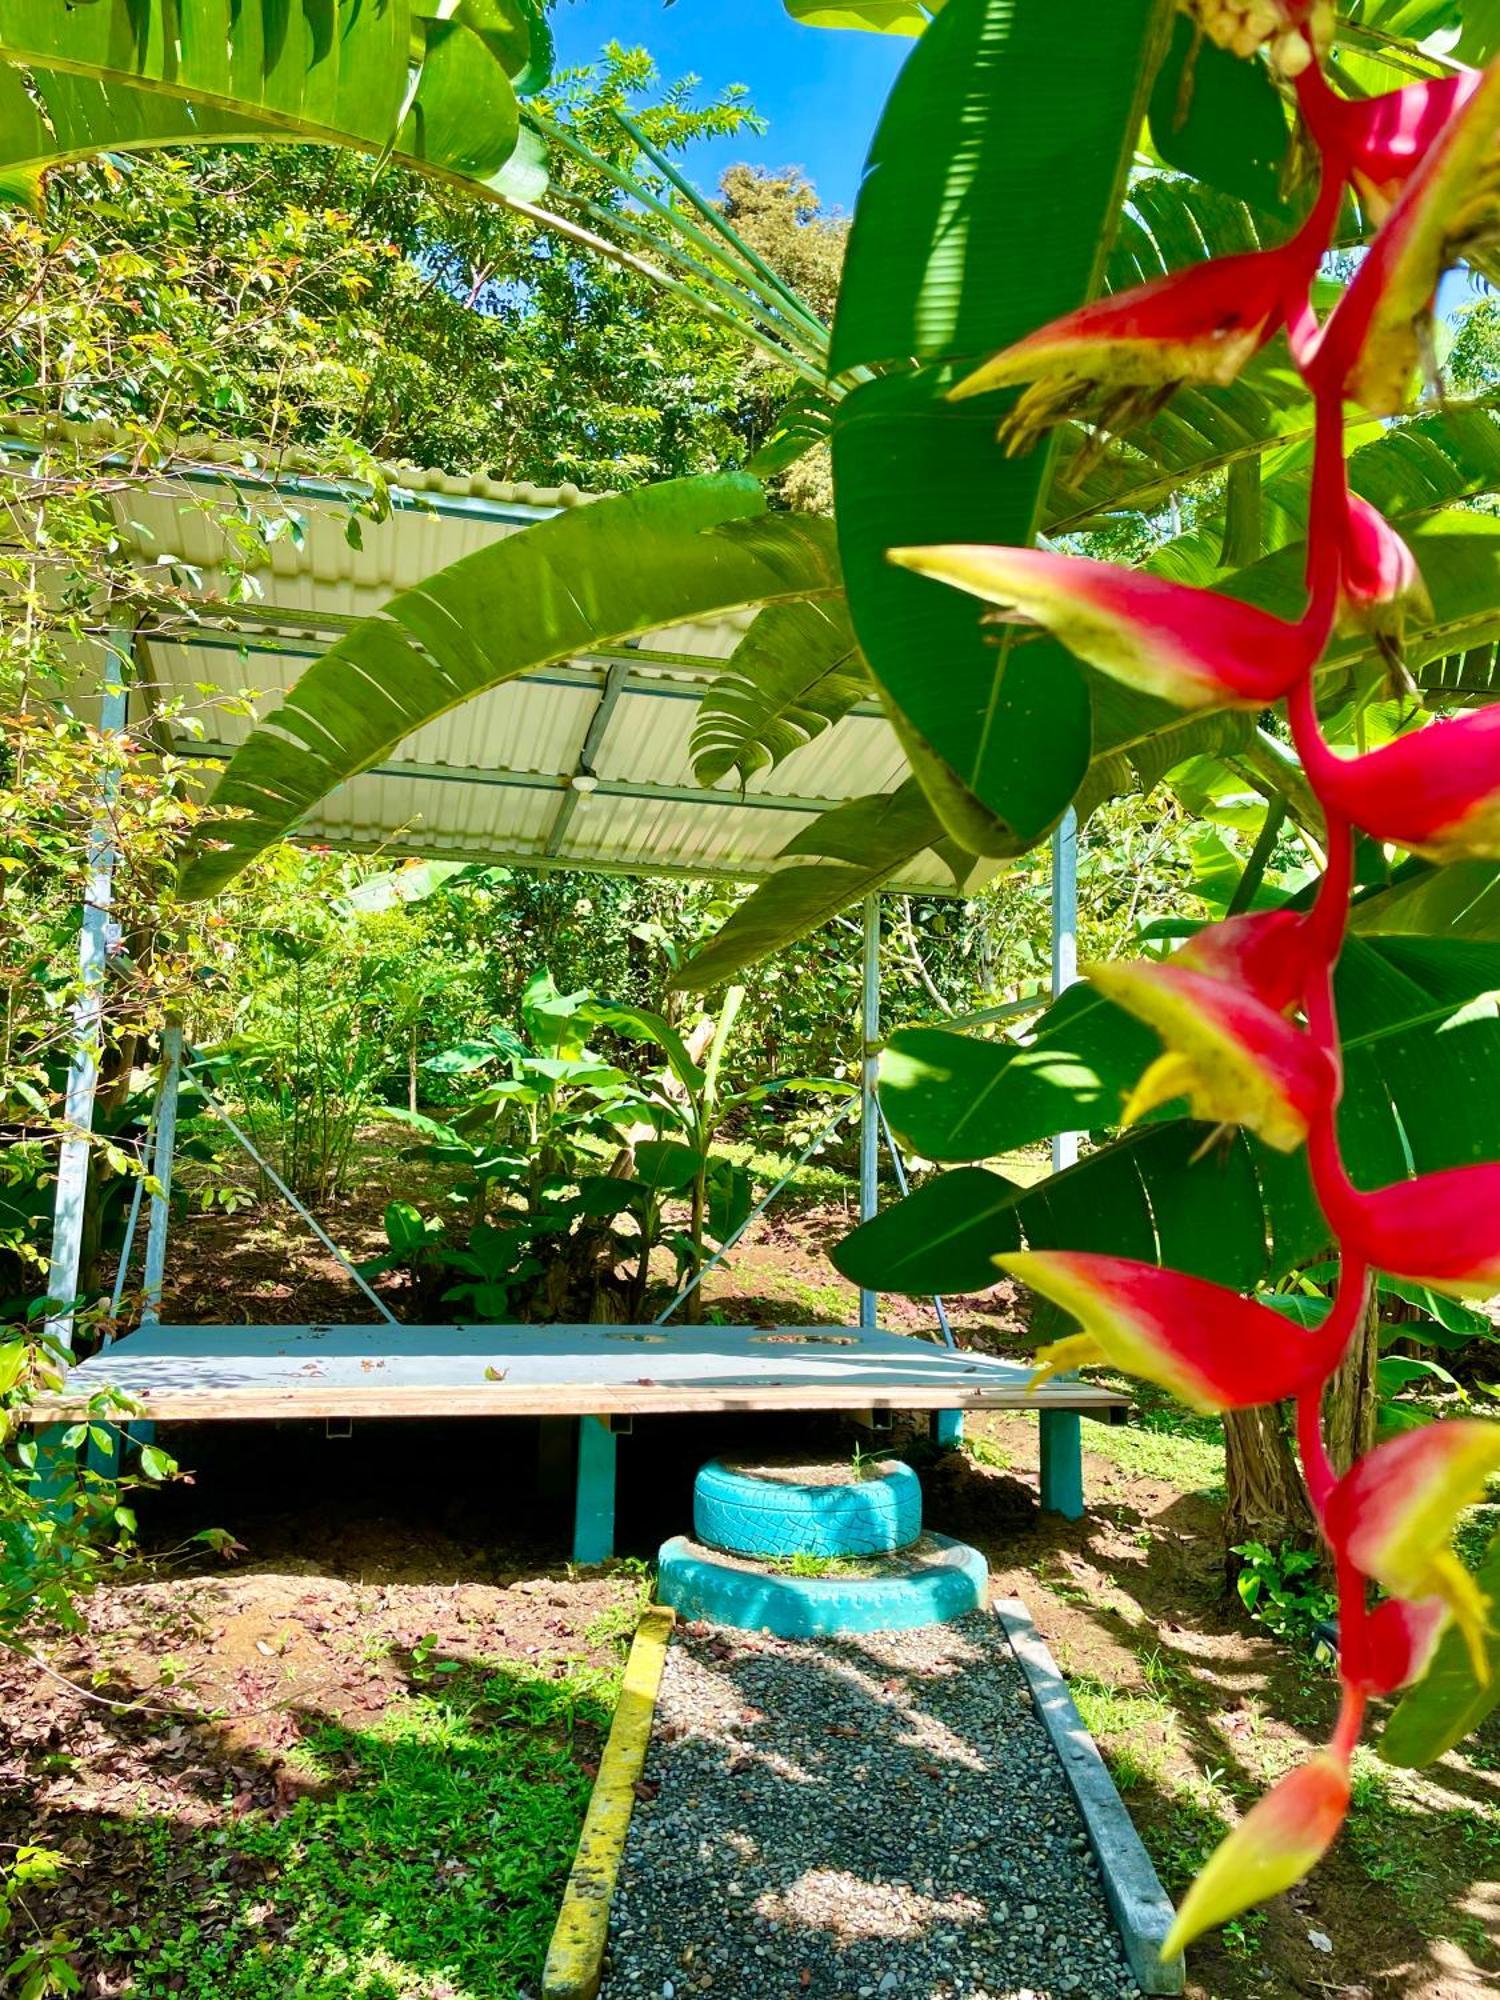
<point>211,1372</point>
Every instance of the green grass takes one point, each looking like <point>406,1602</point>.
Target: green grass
<point>815,1180</point>
<point>1190,1463</point>
<point>1162,1440</point>
<point>806,1565</point>
<point>1134,1729</point>
<point>1396,1835</point>
<point>423,1863</point>
<point>986,1452</point>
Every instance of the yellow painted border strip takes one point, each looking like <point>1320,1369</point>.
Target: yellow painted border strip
<point>575,1958</point>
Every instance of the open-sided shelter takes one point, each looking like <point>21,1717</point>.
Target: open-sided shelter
<point>582,763</point>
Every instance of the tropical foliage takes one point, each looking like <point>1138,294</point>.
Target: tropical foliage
<point>1123,241</point>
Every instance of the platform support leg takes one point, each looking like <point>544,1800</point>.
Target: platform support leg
<point>1062,1463</point>
<point>947,1429</point>
<point>594,1507</point>
<point>71,1193</point>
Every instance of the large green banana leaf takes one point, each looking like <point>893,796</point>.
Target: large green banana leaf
<point>1461,900</point>
<point>837,858</point>
<point>881,17</point>
<point>120,75</point>
<point>1422,1092</point>
<point>796,670</point>
<point>592,576</point>
<point>987,205</point>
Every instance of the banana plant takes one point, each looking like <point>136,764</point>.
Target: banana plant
<point>1003,738</point>
<point>1422,1049</point>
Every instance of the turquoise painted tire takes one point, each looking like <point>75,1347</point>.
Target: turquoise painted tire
<point>749,1515</point>
<point>951,1582</point>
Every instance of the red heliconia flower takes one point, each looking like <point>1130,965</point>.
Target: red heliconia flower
<point>1394,1645</point>
<point>1281,1837</point>
<point>1378,579</point>
<point>1393,1514</point>
<point>1117,360</point>
<point>1436,791</point>
<point>1378,142</point>
<point>1372,344</point>
<point>1191,647</point>
<point>1440,1229</point>
<point>1209,1347</point>
<point>1270,953</point>
<point>1236,1060</point>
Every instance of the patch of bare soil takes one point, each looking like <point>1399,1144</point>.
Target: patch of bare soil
<point>178,1708</point>
<point>262,1265</point>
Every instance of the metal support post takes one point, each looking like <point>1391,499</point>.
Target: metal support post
<point>1062,1440</point>
<point>947,1425</point>
<point>88,1009</point>
<point>1064,945</point>
<point>869,1069</point>
<point>1062,1463</point>
<point>161,1200</point>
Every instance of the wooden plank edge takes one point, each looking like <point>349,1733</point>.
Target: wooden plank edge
<point>493,1400</point>
<point>1137,1901</point>
<point>575,1957</point>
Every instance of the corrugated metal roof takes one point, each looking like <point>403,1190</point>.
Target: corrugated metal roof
<point>493,779</point>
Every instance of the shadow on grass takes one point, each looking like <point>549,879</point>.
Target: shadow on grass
<point>419,1858</point>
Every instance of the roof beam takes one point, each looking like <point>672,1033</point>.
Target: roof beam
<point>235,628</point>
<point>545,781</point>
<point>401,845</point>
<point>609,695</point>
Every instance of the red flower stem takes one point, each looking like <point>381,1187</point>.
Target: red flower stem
<point>1334,1336</point>
<point>1327,517</point>
<point>1319,102</point>
<point>1351,1709</point>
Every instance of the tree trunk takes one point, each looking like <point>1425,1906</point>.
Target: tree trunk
<point>1267,1500</point>
<point>1349,1409</point>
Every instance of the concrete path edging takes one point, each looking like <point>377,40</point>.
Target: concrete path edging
<point>1136,1898</point>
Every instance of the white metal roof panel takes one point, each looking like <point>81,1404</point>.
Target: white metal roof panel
<point>492,778</point>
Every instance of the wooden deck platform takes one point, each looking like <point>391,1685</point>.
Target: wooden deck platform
<point>212,1373</point>
<point>599,1377</point>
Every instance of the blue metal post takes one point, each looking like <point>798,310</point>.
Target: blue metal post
<point>594,1507</point>
<point>1062,1435</point>
<point>88,1011</point>
<point>53,1469</point>
<point>1062,1463</point>
<point>143,1431</point>
<point>869,1069</point>
<point>1064,946</point>
<point>161,1170</point>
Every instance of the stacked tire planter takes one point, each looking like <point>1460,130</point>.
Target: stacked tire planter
<point>751,1524</point>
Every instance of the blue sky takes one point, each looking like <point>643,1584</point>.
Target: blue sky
<point>821,90</point>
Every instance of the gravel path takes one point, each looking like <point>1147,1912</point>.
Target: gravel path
<point>873,1818</point>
